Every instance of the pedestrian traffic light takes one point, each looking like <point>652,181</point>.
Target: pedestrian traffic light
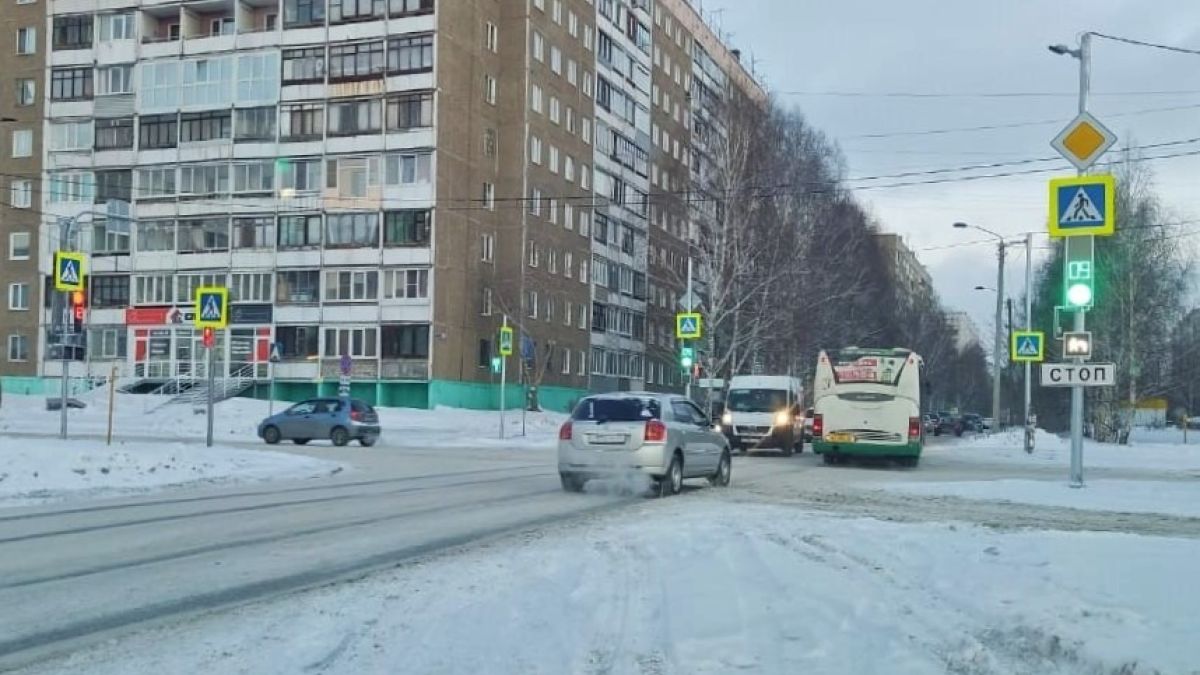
<point>77,309</point>
<point>1079,284</point>
<point>687,357</point>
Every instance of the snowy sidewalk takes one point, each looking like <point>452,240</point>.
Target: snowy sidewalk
<point>703,585</point>
<point>38,471</point>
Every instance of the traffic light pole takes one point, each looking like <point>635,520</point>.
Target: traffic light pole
<point>687,389</point>
<point>65,227</point>
<point>1085,73</point>
<point>1029,426</point>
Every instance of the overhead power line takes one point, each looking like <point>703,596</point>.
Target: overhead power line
<point>992,94</point>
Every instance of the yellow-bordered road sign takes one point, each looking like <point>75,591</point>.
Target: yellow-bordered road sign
<point>1028,346</point>
<point>1083,205</point>
<point>506,341</point>
<point>212,307</point>
<point>69,271</point>
<point>688,326</point>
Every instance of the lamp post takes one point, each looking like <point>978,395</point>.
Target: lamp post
<point>998,342</point>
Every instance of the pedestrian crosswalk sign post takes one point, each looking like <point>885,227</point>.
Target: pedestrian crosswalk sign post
<point>688,326</point>
<point>212,307</point>
<point>1084,205</point>
<point>506,341</point>
<point>68,271</point>
<point>1028,346</point>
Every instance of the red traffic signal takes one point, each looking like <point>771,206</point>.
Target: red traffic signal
<point>209,339</point>
<point>77,308</point>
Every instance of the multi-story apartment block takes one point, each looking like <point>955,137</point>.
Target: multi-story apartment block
<point>23,41</point>
<point>388,180</point>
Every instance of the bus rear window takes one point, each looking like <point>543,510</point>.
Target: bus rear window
<point>858,368</point>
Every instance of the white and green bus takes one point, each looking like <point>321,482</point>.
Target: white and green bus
<point>867,403</point>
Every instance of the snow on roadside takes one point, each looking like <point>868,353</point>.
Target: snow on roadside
<point>1006,447</point>
<point>236,420</point>
<point>703,585</point>
<point>37,471</point>
<point>1174,498</point>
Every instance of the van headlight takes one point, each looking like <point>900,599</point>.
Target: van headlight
<point>782,418</point>
<point>727,418</point>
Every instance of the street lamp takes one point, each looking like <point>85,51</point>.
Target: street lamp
<point>986,288</point>
<point>998,343</point>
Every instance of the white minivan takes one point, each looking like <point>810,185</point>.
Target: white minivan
<point>764,411</point>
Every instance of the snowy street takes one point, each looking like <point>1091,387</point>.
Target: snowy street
<point>790,568</point>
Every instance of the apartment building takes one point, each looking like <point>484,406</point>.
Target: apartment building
<point>910,275</point>
<point>23,41</point>
<point>386,180</point>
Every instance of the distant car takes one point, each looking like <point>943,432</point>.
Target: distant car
<point>808,425</point>
<point>946,424</point>
<point>988,423</point>
<point>663,436</point>
<point>929,423</point>
<point>970,423</point>
<point>339,420</point>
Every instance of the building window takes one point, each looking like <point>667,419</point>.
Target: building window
<point>258,77</point>
<point>203,235</point>
<point>406,228</point>
<point>406,7</point>
<point>71,136</point>
<point>406,341</point>
<point>114,184</point>
<point>355,61</point>
<point>351,286</point>
<point>73,32</point>
<point>156,183</point>
<point>351,230</point>
<point>18,348</point>
<point>74,187</point>
<point>352,177</point>
<point>254,124</point>
<point>27,40</point>
<point>114,80</point>
<point>489,142</point>
<point>301,122</point>
<point>109,290</point>
<point>71,84</point>
<point>410,111</point>
<point>297,13</point>
<point>355,10</point>
<point>407,169</point>
<point>487,248</point>
<point>254,232</point>
<point>114,133</point>
<point>116,26</point>
<point>254,177</point>
<point>298,342</point>
<point>158,131</point>
<point>18,245</point>
<point>410,55</point>
<point>535,98</point>
<point>539,46</point>
<point>298,287</point>
<point>155,235</point>
<point>491,39</point>
<point>18,297</point>
<point>405,284</point>
<point>22,142</point>
<point>204,180</point>
<point>26,93</point>
<point>486,303</point>
<point>108,241</point>
<point>107,343</point>
<point>351,118</point>
<point>303,65</point>
<point>489,196</point>
<point>298,176</point>
<point>186,285</point>
<point>205,126</point>
<point>21,193</point>
<point>489,89</point>
<point>153,289</point>
<point>299,231</point>
<point>357,343</point>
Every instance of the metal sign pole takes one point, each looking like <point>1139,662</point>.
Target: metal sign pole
<point>1085,55</point>
<point>112,390</point>
<point>1029,430</point>
<point>208,438</point>
<point>503,382</point>
<point>687,390</point>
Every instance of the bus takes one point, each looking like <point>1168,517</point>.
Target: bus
<point>867,403</point>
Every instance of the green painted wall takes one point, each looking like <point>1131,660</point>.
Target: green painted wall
<point>43,386</point>
<point>486,396</point>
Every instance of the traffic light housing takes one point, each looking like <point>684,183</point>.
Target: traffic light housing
<point>1079,275</point>
<point>78,306</point>
<point>687,358</point>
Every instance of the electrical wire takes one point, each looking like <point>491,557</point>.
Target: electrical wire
<point>1002,94</point>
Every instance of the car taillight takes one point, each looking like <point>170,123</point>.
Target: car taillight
<point>914,427</point>
<point>818,425</point>
<point>564,432</point>
<point>656,431</point>
<point>356,415</point>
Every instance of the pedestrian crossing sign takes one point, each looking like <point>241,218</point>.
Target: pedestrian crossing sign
<point>688,326</point>
<point>1080,206</point>
<point>1028,346</point>
<point>68,271</point>
<point>212,307</point>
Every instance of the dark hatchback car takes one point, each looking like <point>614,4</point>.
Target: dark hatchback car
<point>338,419</point>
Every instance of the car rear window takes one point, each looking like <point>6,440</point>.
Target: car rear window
<point>617,410</point>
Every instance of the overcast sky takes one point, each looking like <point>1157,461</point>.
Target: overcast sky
<point>805,50</point>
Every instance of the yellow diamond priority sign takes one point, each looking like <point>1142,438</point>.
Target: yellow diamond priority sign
<point>1083,141</point>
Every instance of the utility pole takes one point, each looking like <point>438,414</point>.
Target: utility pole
<point>1085,75</point>
<point>690,308</point>
<point>65,230</point>
<point>998,347</point>
<point>1029,428</point>
<point>503,377</point>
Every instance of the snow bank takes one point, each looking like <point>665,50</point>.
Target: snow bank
<point>237,420</point>
<point>1176,498</point>
<point>702,585</point>
<point>34,471</point>
<point>1006,447</point>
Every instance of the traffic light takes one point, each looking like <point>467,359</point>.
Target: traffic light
<point>77,309</point>
<point>687,357</point>
<point>1079,283</point>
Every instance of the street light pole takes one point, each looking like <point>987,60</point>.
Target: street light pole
<point>1029,427</point>
<point>998,346</point>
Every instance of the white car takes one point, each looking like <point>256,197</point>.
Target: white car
<point>662,436</point>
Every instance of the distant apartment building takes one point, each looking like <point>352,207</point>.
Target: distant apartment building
<point>24,43</point>
<point>966,333</point>
<point>388,181</point>
<point>908,272</point>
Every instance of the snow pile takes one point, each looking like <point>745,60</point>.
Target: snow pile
<point>701,585</point>
<point>1006,447</point>
<point>1175,498</point>
<point>236,420</point>
<point>34,471</point>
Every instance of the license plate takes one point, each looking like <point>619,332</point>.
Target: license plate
<point>840,438</point>
<point>609,439</point>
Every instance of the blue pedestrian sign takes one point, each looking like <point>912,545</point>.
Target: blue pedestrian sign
<point>1028,346</point>
<point>1082,206</point>
<point>212,307</point>
<point>68,271</point>
<point>688,326</point>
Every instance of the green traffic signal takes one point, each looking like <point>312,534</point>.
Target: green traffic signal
<point>687,357</point>
<point>1079,280</point>
<point>1079,294</point>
